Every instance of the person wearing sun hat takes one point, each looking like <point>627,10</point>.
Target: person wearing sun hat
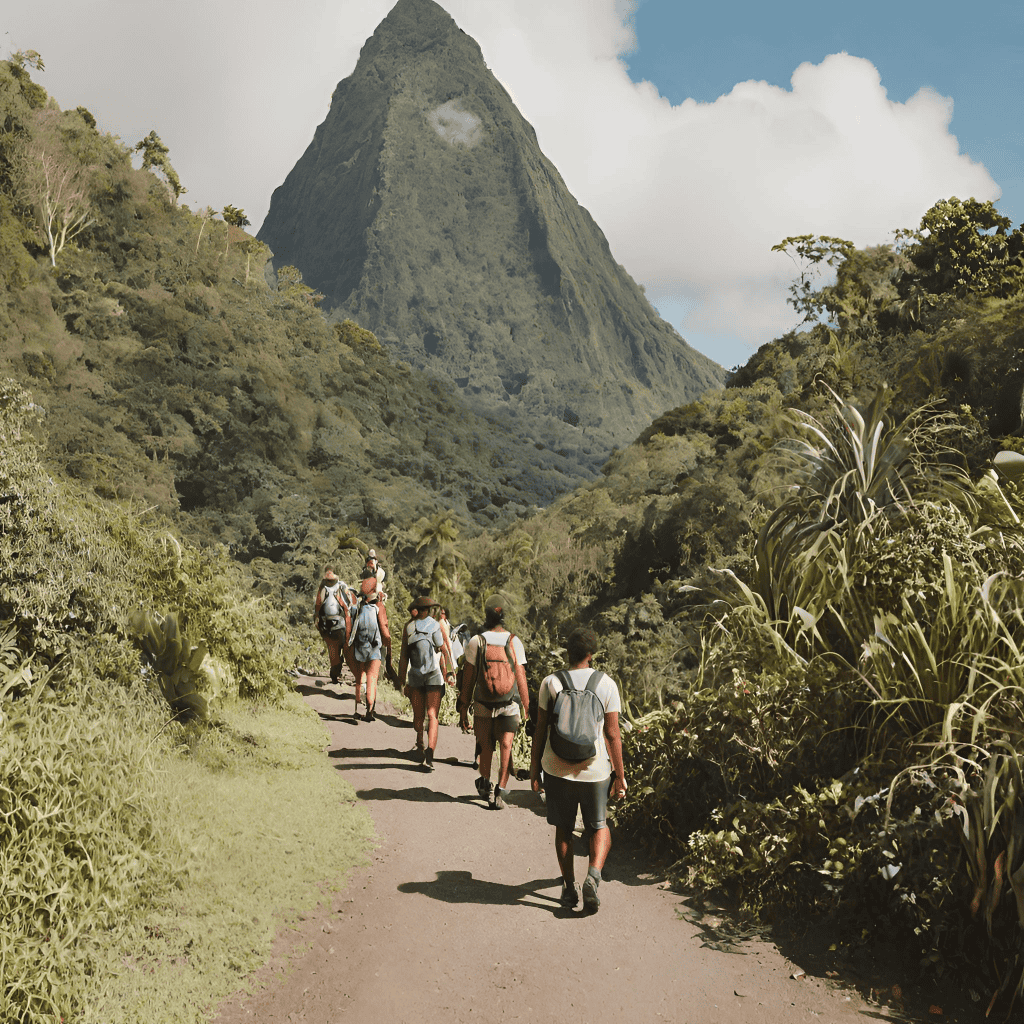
<point>422,640</point>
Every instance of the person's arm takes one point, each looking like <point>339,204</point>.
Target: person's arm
<point>540,737</point>
<point>316,604</point>
<point>613,741</point>
<point>382,621</point>
<point>446,657</point>
<point>466,689</point>
<point>403,661</point>
<point>524,692</point>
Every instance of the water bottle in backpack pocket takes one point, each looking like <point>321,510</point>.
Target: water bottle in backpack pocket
<point>577,719</point>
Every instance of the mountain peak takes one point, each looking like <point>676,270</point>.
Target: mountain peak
<point>412,24</point>
<point>425,210</point>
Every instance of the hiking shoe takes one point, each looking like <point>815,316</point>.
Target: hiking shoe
<point>428,759</point>
<point>591,901</point>
<point>483,788</point>
<point>499,798</point>
<point>371,715</point>
<point>570,895</point>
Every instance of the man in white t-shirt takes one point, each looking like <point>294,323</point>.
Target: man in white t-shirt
<point>579,785</point>
<point>494,719</point>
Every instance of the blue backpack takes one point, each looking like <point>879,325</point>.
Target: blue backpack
<point>420,649</point>
<point>366,638</point>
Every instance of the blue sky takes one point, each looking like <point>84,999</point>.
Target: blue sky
<point>972,53</point>
<point>697,136</point>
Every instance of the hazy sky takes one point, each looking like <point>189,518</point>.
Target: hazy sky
<point>698,135</point>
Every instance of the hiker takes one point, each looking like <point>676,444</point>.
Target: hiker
<point>368,636</point>
<point>331,618</point>
<point>494,676</point>
<point>578,747</point>
<point>422,640</point>
<point>373,568</point>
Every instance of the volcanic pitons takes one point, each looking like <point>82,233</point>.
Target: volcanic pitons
<point>425,211</point>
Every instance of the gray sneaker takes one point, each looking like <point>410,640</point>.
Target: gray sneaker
<point>591,901</point>
<point>570,895</point>
<point>499,798</point>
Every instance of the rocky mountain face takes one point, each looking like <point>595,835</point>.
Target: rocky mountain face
<point>425,211</point>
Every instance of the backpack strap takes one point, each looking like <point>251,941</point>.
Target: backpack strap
<point>592,682</point>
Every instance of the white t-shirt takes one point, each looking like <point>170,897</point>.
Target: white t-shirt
<point>599,767</point>
<point>518,652</point>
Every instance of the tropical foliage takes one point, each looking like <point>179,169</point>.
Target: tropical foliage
<point>808,583</point>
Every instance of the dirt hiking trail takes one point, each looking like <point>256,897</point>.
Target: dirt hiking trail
<point>456,918</point>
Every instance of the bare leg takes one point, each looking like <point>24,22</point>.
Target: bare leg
<point>505,757</point>
<point>433,704</point>
<point>563,851</point>
<point>372,672</point>
<point>360,680</point>
<point>600,846</point>
<point>418,698</point>
<point>482,729</point>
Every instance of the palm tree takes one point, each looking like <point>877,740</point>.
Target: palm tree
<point>437,537</point>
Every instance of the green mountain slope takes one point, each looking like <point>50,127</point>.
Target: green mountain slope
<point>172,372</point>
<point>425,210</point>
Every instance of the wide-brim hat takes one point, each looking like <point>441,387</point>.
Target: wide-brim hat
<point>423,603</point>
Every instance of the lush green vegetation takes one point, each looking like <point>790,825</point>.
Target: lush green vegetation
<point>134,847</point>
<point>812,591</point>
<point>809,582</point>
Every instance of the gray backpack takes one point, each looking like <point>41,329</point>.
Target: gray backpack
<point>421,650</point>
<point>577,719</point>
<point>332,615</point>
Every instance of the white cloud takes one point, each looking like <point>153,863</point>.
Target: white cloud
<point>691,197</point>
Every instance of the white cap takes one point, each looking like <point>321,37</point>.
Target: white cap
<point>371,553</point>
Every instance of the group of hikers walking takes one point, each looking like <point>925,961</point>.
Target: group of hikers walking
<point>576,758</point>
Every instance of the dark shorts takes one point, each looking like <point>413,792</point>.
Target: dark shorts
<point>500,723</point>
<point>565,796</point>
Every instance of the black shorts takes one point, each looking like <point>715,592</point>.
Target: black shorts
<point>566,796</point>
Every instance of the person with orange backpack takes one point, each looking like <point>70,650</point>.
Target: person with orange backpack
<point>494,676</point>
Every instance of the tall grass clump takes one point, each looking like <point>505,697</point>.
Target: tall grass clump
<point>80,848</point>
<point>846,742</point>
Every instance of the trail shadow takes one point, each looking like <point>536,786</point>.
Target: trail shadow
<point>419,794</point>
<point>305,690</point>
<point>462,887</point>
<point>396,758</point>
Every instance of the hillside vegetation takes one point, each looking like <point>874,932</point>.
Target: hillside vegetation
<point>810,583</point>
<point>811,586</point>
<point>173,374</point>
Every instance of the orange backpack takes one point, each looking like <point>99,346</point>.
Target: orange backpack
<point>495,672</point>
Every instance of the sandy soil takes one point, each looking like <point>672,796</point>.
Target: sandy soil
<point>456,918</point>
